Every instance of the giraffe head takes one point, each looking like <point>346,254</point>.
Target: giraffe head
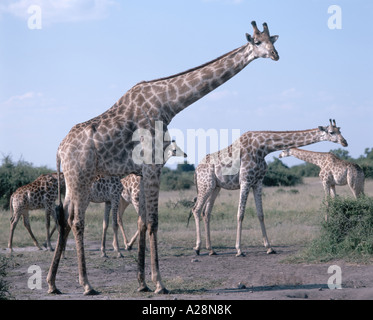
<point>262,42</point>
<point>173,150</point>
<point>332,133</point>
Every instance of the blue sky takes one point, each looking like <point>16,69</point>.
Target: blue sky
<point>88,53</point>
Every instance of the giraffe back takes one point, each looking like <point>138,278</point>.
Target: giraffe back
<point>36,195</point>
<point>105,189</point>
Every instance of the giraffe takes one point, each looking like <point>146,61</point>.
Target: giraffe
<point>131,192</point>
<point>108,189</point>
<point>333,171</point>
<point>110,144</point>
<point>39,194</point>
<point>250,149</point>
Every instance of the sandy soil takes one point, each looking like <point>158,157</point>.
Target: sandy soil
<point>221,277</point>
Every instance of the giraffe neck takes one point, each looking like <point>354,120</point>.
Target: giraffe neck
<point>270,141</point>
<point>309,156</point>
<point>198,82</point>
<point>163,98</point>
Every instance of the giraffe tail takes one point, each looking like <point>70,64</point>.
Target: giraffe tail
<point>195,199</point>
<point>191,211</point>
<point>60,217</point>
<point>11,209</point>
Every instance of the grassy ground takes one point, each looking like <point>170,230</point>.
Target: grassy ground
<point>293,219</point>
<point>292,216</point>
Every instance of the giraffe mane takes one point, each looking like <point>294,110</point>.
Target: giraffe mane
<point>192,69</point>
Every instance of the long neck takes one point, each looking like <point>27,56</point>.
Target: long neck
<point>309,156</point>
<point>270,141</point>
<point>173,94</point>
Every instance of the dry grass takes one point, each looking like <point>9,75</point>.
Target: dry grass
<point>292,216</point>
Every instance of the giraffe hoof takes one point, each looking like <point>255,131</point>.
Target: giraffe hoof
<point>196,251</point>
<point>241,254</point>
<point>271,251</point>
<point>91,292</point>
<point>162,291</point>
<point>144,289</point>
<point>54,291</point>
<point>212,253</point>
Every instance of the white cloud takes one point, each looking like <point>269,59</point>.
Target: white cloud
<point>220,95</point>
<point>57,11</point>
<point>20,98</point>
<point>226,1</point>
<point>291,93</point>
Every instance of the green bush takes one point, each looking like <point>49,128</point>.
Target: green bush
<point>306,170</point>
<point>4,287</point>
<point>348,233</point>
<point>176,180</point>
<point>278,174</point>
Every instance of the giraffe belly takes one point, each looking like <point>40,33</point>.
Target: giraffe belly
<point>229,182</point>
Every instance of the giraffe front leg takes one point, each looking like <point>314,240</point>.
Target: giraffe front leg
<point>244,192</point>
<point>115,230</point>
<point>105,224</point>
<point>141,256</point>
<point>197,213</point>
<point>13,223</point>
<point>156,276</point>
<point>141,227</point>
<point>132,241</point>
<point>151,177</point>
<point>122,207</point>
<point>259,210</point>
<point>206,216</point>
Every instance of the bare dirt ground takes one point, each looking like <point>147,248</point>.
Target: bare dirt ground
<point>187,276</point>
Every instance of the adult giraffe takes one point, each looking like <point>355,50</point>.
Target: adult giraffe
<point>107,145</point>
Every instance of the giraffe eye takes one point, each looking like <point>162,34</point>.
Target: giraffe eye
<point>258,43</point>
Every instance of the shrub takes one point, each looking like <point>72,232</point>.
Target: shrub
<point>348,233</point>
<point>4,287</point>
<point>278,174</point>
<point>176,180</point>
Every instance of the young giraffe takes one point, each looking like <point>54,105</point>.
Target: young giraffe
<point>108,189</point>
<point>107,145</point>
<point>333,171</point>
<point>39,194</point>
<point>131,192</point>
<point>250,150</point>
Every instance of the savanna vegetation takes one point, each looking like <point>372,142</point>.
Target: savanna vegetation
<point>293,206</point>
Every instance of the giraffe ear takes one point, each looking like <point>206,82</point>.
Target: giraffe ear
<point>249,38</point>
<point>322,128</point>
<point>274,39</point>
